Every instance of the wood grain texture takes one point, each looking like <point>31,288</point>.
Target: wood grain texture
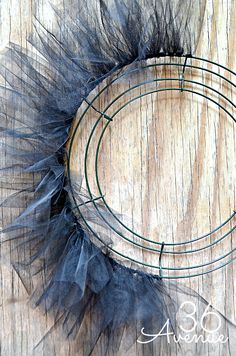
<point>184,143</point>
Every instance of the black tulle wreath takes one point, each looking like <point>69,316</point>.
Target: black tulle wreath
<point>45,86</point>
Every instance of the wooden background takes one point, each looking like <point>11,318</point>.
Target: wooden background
<point>203,157</point>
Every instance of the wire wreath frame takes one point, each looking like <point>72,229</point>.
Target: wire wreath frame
<point>161,247</point>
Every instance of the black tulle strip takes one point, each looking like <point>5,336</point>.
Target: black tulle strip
<point>43,88</point>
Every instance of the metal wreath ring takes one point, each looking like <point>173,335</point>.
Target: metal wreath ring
<point>161,250</point>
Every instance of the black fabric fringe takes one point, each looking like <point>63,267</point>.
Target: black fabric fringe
<point>45,85</point>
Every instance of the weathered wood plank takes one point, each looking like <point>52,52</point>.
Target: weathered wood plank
<point>195,168</point>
